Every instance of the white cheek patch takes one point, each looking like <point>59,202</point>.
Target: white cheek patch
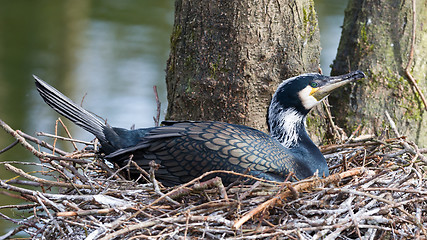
<point>307,100</point>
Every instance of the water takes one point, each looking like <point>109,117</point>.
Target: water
<point>111,53</point>
<point>331,16</point>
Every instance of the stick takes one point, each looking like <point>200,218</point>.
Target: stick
<point>21,140</point>
<point>299,186</point>
<point>153,167</point>
<point>41,143</point>
<point>63,138</point>
<point>180,219</point>
<point>403,143</point>
<point>9,147</point>
<point>42,181</point>
<point>34,151</point>
<point>207,174</point>
<point>66,130</point>
<point>92,211</point>
<point>214,182</point>
<point>159,106</point>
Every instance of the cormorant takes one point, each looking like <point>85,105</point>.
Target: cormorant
<point>187,149</point>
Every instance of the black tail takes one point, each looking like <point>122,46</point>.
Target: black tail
<point>67,108</point>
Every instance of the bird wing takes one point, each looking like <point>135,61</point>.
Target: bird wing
<point>186,150</point>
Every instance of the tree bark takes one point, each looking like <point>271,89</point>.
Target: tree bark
<point>228,56</point>
<point>377,38</point>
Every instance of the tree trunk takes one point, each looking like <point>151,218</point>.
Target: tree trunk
<point>377,38</point>
<point>228,56</point>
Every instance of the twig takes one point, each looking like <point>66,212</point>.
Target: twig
<point>153,167</point>
<point>63,138</point>
<point>149,223</point>
<point>110,173</point>
<point>9,147</point>
<point>214,182</point>
<point>205,175</point>
<point>117,171</point>
<point>144,173</point>
<point>21,140</point>
<point>66,130</point>
<point>238,180</point>
<point>41,143</point>
<point>24,182</point>
<point>353,133</point>
<point>365,194</point>
<point>298,187</point>
<point>171,193</point>
<point>48,213</point>
<point>186,224</point>
<point>159,107</point>
<point>334,132</point>
<point>21,173</point>
<point>389,189</point>
<point>334,147</point>
<point>34,151</point>
<point>393,126</point>
<point>92,211</point>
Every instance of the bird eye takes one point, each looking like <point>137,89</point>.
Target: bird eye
<point>313,84</point>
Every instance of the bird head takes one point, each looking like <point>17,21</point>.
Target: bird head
<point>295,97</point>
<point>306,91</point>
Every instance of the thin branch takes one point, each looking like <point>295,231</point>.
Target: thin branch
<point>41,143</point>
<point>9,147</point>
<point>299,186</point>
<point>34,151</point>
<point>153,167</point>
<point>66,130</point>
<point>159,107</point>
<point>42,181</point>
<point>63,138</point>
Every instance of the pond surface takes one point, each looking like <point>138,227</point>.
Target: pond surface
<point>109,53</point>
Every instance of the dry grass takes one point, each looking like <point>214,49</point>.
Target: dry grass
<point>378,190</point>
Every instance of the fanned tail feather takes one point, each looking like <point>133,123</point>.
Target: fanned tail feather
<point>67,108</point>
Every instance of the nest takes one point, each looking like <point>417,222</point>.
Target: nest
<point>377,190</point>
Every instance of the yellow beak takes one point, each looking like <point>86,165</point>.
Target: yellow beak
<point>335,82</point>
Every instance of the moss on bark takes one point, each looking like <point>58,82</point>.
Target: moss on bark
<point>376,38</point>
<point>228,57</point>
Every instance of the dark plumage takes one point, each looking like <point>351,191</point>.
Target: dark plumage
<point>187,149</point>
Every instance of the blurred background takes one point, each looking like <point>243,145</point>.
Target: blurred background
<point>111,53</point>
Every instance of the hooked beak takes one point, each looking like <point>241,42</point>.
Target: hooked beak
<point>334,83</point>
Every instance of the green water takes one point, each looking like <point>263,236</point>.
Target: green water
<point>114,51</point>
